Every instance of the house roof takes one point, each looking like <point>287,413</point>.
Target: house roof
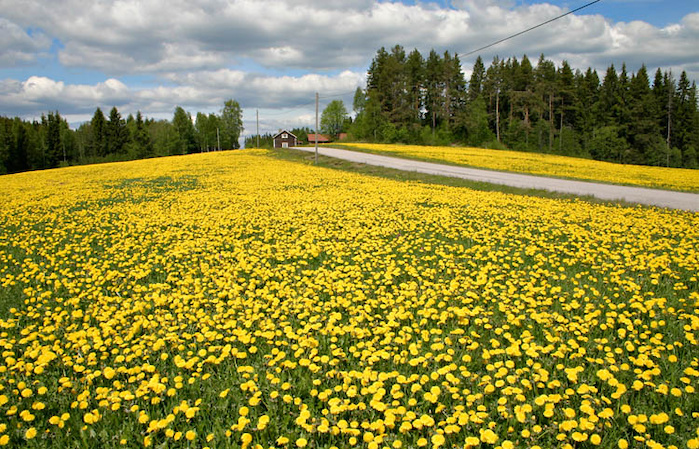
<point>284,131</point>
<point>321,138</point>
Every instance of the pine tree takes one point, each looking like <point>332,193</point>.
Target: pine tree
<point>141,139</point>
<point>6,142</point>
<point>98,127</point>
<point>608,98</point>
<point>54,149</point>
<point>19,149</point>
<point>116,133</point>
<point>588,91</point>
<point>454,89</point>
<point>642,127</point>
<point>686,109</point>
<point>545,78</point>
<point>475,84</point>
<point>415,71</point>
<point>434,89</point>
<point>492,87</point>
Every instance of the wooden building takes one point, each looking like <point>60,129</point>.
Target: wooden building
<point>284,139</point>
<point>321,138</point>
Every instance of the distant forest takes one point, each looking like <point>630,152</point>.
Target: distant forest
<point>411,99</point>
<point>512,104</point>
<point>50,142</point>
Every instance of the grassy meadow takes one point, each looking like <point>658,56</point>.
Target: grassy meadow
<point>235,299</point>
<point>681,179</point>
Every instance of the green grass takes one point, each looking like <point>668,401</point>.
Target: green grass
<point>423,178</point>
<point>456,164</point>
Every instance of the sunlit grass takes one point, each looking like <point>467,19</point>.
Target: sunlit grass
<point>235,300</point>
<point>546,165</point>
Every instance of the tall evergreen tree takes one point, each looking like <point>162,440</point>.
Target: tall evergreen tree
<point>492,88</point>
<point>686,112</point>
<point>609,98</point>
<point>116,133</point>
<point>6,143</point>
<point>642,128</point>
<point>19,150</point>
<point>475,84</point>
<point>545,79</point>
<point>454,89</point>
<point>54,148</point>
<point>434,89</point>
<point>415,72</point>
<point>141,139</point>
<point>98,127</point>
<point>587,87</point>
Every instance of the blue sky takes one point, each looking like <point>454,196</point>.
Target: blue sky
<point>154,55</point>
<point>656,12</point>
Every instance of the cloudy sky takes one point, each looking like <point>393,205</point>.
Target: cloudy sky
<point>273,55</point>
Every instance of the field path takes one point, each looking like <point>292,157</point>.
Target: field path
<point>640,195</point>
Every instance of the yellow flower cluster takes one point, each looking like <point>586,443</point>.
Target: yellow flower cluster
<point>235,300</point>
<point>546,165</point>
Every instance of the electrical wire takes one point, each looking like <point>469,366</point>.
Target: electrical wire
<point>343,94</point>
<point>291,109</point>
<point>301,106</point>
<point>530,29</point>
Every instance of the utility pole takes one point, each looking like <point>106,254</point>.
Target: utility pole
<point>257,115</point>
<point>218,139</point>
<point>316,128</point>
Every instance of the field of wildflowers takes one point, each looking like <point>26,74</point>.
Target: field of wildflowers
<point>235,300</point>
<point>546,165</point>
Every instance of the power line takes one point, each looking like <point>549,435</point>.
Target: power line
<point>298,106</point>
<point>292,108</point>
<point>532,28</point>
<point>343,94</point>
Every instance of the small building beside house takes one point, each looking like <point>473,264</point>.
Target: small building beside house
<point>284,139</point>
<point>322,138</point>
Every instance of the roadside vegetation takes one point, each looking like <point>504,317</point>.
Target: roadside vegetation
<point>541,164</point>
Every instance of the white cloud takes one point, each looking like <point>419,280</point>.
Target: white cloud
<point>196,54</point>
<point>199,91</point>
<point>163,36</point>
<point>19,46</point>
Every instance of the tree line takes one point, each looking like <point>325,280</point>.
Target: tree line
<point>50,142</point>
<point>622,117</point>
<point>267,140</point>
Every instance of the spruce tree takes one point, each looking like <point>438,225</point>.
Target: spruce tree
<point>98,126</point>
<point>475,84</point>
<point>116,133</point>
<point>642,126</point>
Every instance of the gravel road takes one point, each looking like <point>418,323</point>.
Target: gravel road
<point>640,195</point>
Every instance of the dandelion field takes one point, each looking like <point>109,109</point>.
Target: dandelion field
<point>541,164</point>
<point>235,300</point>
